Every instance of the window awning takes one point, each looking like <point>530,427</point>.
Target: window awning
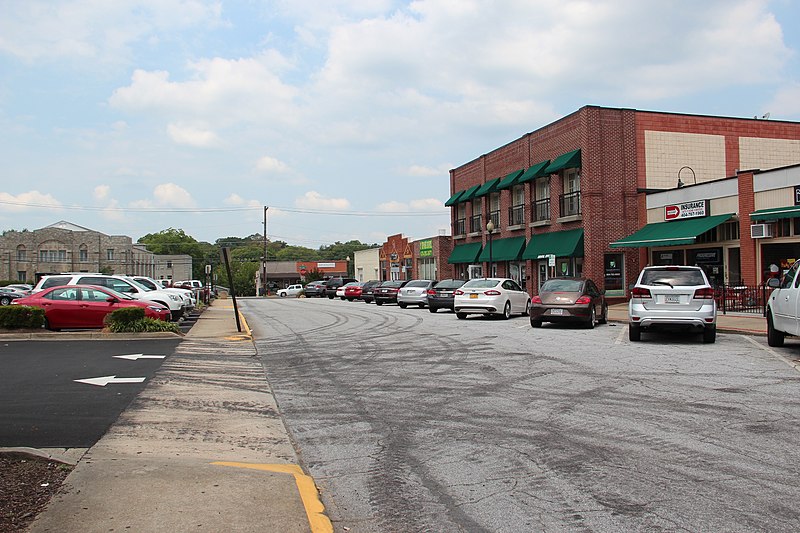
<point>509,249</point>
<point>469,194</point>
<point>509,180</point>
<point>534,172</point>
<point>465,253</point>
<point>454,199</point>
<point>569,160</point>
<point>670,233</point>
<point>776,213</point>
<point>487,187</point>
<point>567,243</point>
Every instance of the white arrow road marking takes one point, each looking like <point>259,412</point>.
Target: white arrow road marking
<point>137,356</point>
<point>105,380</point>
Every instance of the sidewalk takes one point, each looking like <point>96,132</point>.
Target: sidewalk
<point>748,324</point>
<point>202,448</point>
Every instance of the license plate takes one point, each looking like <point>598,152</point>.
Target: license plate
<point>473,295</point>
<point>672,299</point>
<point>556,311</point>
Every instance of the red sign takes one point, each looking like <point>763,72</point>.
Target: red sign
<point>671,212</point>
<point>693,209</point>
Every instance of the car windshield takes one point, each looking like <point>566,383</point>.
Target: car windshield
<point>561,285</point>
<point>481,283</point>
<point>418,283</point>
<point>449,284</point>
<point>137,284</point>
<point>673,277</point>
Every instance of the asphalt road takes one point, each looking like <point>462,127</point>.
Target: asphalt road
<point>412,421</point>
<point>42,406</point>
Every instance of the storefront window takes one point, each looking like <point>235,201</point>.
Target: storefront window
<point>612,274</point>
<point>667,257</point>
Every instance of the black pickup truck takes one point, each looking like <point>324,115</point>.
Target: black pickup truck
<point>335,283</point>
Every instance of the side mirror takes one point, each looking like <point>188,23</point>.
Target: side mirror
<point>774,283</point>
<point>112,299</point>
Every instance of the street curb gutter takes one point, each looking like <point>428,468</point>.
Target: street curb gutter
<point>68,456</point>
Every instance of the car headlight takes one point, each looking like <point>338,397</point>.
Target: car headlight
<point>157,308</point>
<point>175,297</point>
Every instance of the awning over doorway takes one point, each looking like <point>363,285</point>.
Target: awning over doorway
<point>509,180</point>
<point>671,233</point>
<point>776,213</point>
<point>487,187</point>
<point>534,172</point>
<point>567,243</point>
<point>569,160</point>
<point>454,199</point>
<point>465,253</point>
<point>509,249</point>
<point>469,194</point>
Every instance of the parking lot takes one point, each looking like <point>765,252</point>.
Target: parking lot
<point>416,421</point>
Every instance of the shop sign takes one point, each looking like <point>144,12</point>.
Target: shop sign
<point>698,208</point>
<point>797,195</point>
<point>708,256</point>
<point>393,257</point>
<point>326,265</point>
<point>426,248</point>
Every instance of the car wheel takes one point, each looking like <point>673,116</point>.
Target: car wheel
<point>592,318</point>
<point>282,294</point>
<point>342,297</point>
<point>402,305</point>
<point>433,309</point>
<point>774,337</point>
<point>527,308</point>
<point>507,311</point>
<point>422,306</point>
<point>5,300</point>
<point>604,318</point>
<point>47,325</point>
<point>634,332</point>
<point>461,316</point>
<point>378,302</point>
<point>710,334</point>
<point>536,323</point>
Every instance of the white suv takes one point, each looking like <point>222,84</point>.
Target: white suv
<point>123,284</point>
<point>154,285</point>
<point>672,296</point>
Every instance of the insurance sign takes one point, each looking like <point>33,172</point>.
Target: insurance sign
<point>697,208</point>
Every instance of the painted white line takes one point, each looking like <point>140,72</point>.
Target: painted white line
<point>622,332</point>
<point>137,356</point>
<point>105,380</point>
<point>772,352</point>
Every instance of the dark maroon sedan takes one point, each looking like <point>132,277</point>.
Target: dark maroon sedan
<point>386,292</point>
<point>574,300</point>
<point>85,306</point>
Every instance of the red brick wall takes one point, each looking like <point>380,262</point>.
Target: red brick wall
<point>747,245</point>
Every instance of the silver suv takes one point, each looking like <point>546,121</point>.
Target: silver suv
<point>672,296</point>
<point>175,302</point>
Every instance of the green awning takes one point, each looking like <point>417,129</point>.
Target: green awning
<point>509,249</point>
<point>469,194</point>
<point>509,180</point>
<point>454,199</point>
<point>567,243</point>
<point>569,160</point>
<point>465,253</point>
<point>534,172</point>
<point>671,233</point>
<point>776,213</point>
<point>487,187</point>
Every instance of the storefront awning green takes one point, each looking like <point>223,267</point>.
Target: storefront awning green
<point>567,243</point>
<point>509,180</point>
<point>487,187</point>
<point>465,253</point>
<point>509,249</point>
<point>454,199</point>
<point>670,233</point>
<point>776,213</point>
<point>534,172</point>
<point>469,194</point>
<point>569,160</point>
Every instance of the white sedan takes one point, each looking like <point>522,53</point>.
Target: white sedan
<point>491,296</point>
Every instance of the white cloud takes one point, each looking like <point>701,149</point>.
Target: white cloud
<point>431,205</point>
<point>192,136</point>
<point>237,201</point>
<point>101,192</point>
<point>425,172</point>
<point>314,200</point>
<point>26,201</point>
<point>169,194</point>
<point>786,102</point>
<point>270,164</point>
<point>392,207</point>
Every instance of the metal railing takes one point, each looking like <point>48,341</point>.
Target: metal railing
<point>541,210</point>
<point>516,215</point>
<point>570,203</point>
<point>475,224</point>
<point>494,216</point>
<point>742,299</point>
<point>460,227</point>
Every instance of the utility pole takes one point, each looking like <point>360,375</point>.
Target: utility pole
<point>264,264</point>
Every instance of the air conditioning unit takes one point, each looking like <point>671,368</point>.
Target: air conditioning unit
<point>760,231</point>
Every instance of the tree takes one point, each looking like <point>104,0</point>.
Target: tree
<point>173,241</point>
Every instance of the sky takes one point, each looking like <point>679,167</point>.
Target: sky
<point>343,117</point>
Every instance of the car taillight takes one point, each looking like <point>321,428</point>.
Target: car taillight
<point>492,292</point>
<point>641,292</point>
<point>584,300</point>
<point>706,293</point>
<point>431,292</point>
<point>459,292</point>
<point>536,300</point>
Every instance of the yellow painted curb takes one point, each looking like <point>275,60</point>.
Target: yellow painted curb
<point>315,511</point>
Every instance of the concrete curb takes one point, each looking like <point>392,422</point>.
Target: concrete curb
<point>67,456</point>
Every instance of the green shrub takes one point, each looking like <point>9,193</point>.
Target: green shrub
<point>143,325</point>
<point>21,316</point>
<point>125,315</point>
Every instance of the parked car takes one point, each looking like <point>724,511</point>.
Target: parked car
<point>491,296</point>
<point>123,284</point>
<point>333,284</point>
<point>568,299</point>
<point>85,306</point>
<point>368,290</point>
<point>783,306</point>
<point>440,296</point>
<point>415,293</point>
<point>22,288</point>
<point>291,290</point>
<point>386,292</point>
<point>314,289</point>
<point>8,296</point>
<point>190,298</point>
<point>352,291</point>
<point>672,297</point>
<point>340,291</point>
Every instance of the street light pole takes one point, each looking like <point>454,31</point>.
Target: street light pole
<point>264,264</point>
<point>490,229</point>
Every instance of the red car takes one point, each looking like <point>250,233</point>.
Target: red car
<point>353,291</point>
<point>85,306</point>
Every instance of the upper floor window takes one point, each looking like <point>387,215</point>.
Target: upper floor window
<point>22,253</point>
<point>572,180</point>
<point>110,254</point>
<point>541,203</point>
<point>571,199</point>
<point>83,254</point>
<point>494,209</point>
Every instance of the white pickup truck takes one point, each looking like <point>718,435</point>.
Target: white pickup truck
<point>783,307</point>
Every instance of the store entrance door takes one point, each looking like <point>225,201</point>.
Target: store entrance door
<point>543,271</point>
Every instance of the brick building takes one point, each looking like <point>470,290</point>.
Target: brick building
<point>559,196</point>
<point>65,247</point>
<point>402,259</point>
